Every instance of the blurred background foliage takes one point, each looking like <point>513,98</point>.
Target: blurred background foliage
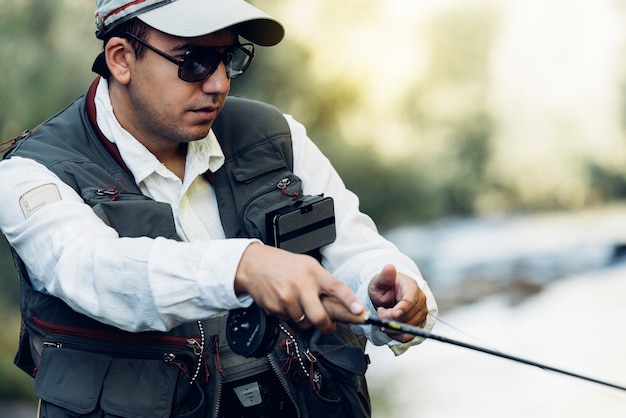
<point>428,109</point>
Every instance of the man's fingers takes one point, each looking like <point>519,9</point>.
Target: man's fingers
<point>348,299</point>
<point>316,315</point>
<point>291,285</point>
<point>406,309</point>
<point>338,312</point>
<point>336,303</point>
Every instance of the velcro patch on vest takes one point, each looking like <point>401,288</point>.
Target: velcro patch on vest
<point>39,197</point>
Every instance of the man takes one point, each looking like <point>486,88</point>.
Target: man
<point>137,220</point>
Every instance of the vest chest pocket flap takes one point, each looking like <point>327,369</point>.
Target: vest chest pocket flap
<point>132,215</point>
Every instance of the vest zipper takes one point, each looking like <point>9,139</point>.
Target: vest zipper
<point>110,190</point>
<point>48,344</point>
<point>147,352</point>
<point>117,338</point>
<point>283,382</point>
<point>218,362</point>
<point>178,351</point>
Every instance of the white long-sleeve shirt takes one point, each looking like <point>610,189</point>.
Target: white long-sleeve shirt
<point>139,284</point>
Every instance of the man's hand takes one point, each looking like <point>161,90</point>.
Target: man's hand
<point>290,285</point>
<point>397,297</point>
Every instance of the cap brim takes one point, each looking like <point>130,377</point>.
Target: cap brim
<point>191,18</point>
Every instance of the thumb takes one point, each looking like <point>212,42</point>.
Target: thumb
<point>382,288</point>
<point>384,280</point>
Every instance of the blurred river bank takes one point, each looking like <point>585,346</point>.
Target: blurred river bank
<point>465,260</point>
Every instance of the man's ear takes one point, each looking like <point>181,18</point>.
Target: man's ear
<point>119,57</point>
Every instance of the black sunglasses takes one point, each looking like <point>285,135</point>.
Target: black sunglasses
<point>200,62</point>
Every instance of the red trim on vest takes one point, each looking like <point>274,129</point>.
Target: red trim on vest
<point>208,176</point>
<point>90,107</point>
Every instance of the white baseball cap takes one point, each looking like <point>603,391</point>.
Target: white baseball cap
<point>190,18</point>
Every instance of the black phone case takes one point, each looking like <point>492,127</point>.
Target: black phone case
<point>303,227</point>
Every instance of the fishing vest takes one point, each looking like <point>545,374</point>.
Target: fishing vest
<point>70,353</point>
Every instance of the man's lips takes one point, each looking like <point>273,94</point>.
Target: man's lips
<point>209,112</point>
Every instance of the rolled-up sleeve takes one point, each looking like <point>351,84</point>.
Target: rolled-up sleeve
<point>135,284</point>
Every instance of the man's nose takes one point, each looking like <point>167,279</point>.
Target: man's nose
<point>218,82</point>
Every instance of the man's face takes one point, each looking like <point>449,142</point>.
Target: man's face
<point>164,110</point>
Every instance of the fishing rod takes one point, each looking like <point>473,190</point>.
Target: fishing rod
<point>421,332</point>
<point>251,332</point>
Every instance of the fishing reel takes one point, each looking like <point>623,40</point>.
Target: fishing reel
<point>303,226</point>
<point>251,332</point>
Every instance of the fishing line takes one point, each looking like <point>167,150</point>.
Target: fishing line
<point>467,334</point>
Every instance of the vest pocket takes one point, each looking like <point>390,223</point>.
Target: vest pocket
<point>137,218</point>
<point>327,405</point>
<point>71,379</point>
<point>135,388</point>
<point>280,193</point>
<point>84,383</point>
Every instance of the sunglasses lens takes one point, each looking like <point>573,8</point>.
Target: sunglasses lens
<point>237,61</point>
<point>201,63</point>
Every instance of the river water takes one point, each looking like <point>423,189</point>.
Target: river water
<point>576,324</point>
<point>573,317</point>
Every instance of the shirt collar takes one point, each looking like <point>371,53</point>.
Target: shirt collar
<point>202,155</point>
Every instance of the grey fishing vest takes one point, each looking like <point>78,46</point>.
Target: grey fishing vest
<point>256,142</point>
